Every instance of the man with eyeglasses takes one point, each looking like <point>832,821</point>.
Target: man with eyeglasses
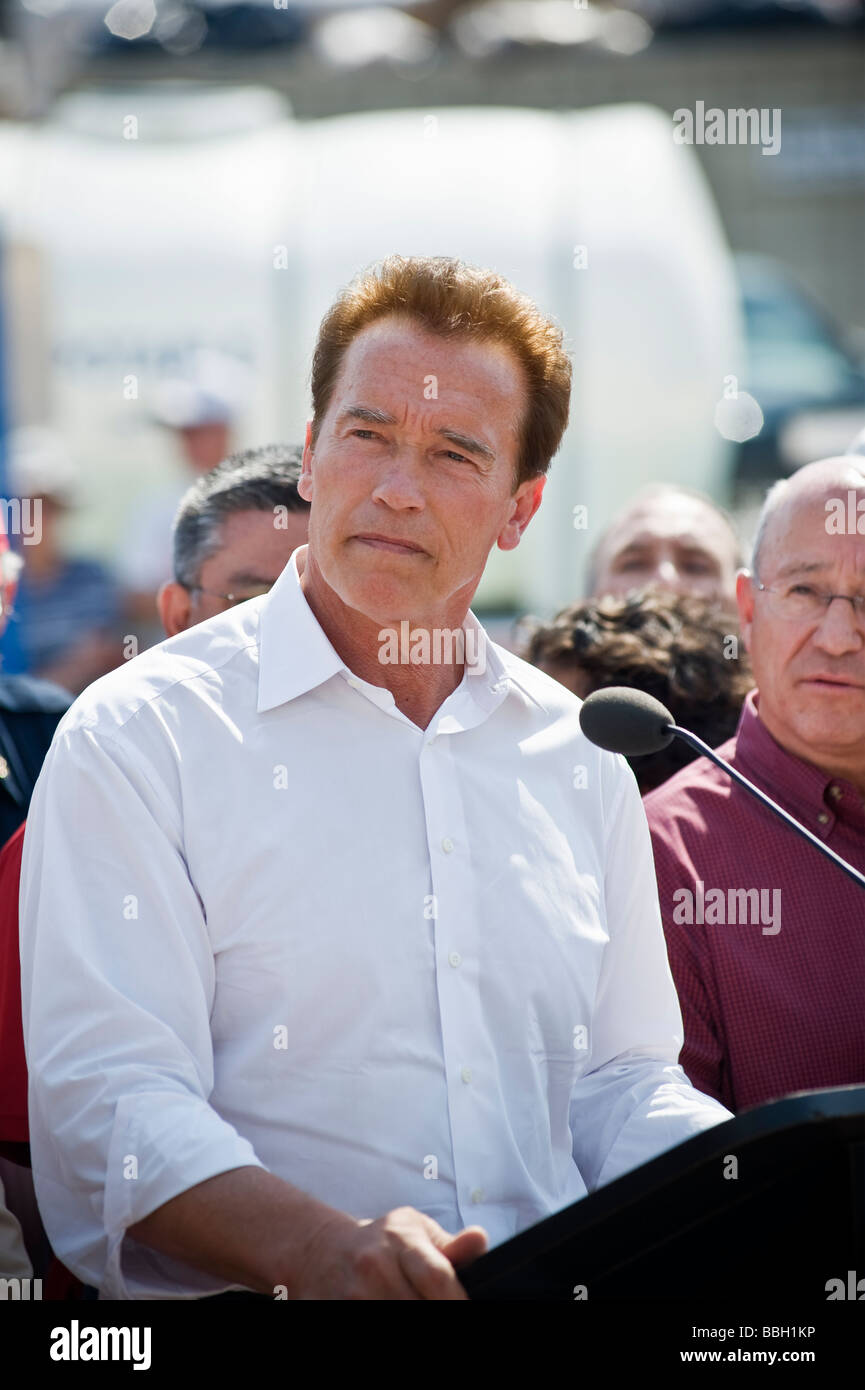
<point>233,535</point>
<point>773,1003</point>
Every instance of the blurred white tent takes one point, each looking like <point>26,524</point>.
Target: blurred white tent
<point>172,218</point>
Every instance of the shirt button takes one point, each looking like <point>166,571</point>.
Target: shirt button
<point>455,959</point>
<point>478,1195</point>
<point>466,1075</point>
<point>355,684</point>
<point>447,844</point>
<point>823,818</point>
<point>835,793</point>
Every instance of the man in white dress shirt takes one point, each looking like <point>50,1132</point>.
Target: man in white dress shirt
<point>341,953</point>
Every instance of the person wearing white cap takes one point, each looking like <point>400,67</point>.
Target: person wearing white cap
<point>200,406</point>
<point>67,612</point>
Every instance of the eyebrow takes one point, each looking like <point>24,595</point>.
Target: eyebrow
<point>801,567</point>
<point>648,538</point>
<point>368,413</point>
<point>469,444</point>
<point>247,577</point>
<point>373,416</point>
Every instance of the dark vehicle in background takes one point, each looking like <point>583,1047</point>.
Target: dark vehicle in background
<point>808,381</point>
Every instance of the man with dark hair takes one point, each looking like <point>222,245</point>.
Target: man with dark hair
<point>340,961</point>
<point>234,533</point>
<point>683,651</point>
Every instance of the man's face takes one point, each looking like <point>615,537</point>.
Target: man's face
<point>253,553</point>
<point>204,446</point>
<point>419,447</point>
<point>810,673</point>
<point>675,543</point>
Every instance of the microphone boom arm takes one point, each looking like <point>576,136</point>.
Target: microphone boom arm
<point>779,811</point>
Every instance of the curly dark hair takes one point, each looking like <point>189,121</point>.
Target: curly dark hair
<point>677,648</point>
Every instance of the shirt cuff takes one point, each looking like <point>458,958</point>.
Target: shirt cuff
<point>162,1144</point>
<point>667,1111</point>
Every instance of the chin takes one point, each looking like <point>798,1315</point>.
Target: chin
<point>379,597</point>
<point>817,729</point>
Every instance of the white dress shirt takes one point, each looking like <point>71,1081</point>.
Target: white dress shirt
<point>266,919</point>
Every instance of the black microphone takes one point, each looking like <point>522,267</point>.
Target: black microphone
<point>633,723</point>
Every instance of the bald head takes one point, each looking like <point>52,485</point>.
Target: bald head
<point>812,487</point>
<point>802,620</point>
<point>670,538</point>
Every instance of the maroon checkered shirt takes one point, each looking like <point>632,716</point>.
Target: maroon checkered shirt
<point>768,1006</point>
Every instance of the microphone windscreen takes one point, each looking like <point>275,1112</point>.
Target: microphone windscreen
<point>626,721</point>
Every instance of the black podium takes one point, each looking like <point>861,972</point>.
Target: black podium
<point>683,1227</point>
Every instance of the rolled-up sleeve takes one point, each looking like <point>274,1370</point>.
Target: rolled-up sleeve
<point>118,981</point>
<point>635,1101</point>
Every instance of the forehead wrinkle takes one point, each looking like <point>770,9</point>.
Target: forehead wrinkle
<point>375,416</point>
<point>808,515</point>
<point>802,567</point>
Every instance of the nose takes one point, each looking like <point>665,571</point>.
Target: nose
<point>398,483</point>
<point>840,629</point>
<point>666,576</point>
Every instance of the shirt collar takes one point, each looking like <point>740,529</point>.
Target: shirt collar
<point>295,656</point>
<point>797,783</point>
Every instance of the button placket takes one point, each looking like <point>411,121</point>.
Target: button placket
<point>464,1042</point>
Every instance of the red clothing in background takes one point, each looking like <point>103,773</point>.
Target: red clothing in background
<point>13,1066</point>
<point>765,1011</point>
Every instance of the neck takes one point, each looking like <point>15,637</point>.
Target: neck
<point>418,690</point>
<point>832,765</point>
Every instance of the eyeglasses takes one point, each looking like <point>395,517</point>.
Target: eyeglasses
<point>801,601</point>
<point>230,599</point>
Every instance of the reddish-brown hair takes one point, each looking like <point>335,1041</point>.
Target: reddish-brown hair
<point>447,297</point>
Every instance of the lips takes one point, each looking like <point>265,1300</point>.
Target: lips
<point>395,544</point>
<point>832,682</point>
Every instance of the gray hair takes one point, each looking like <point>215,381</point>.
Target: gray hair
<point>771,502</point>
<point>258,479</point>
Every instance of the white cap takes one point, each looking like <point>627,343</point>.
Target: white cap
<point>211,389</point>
<point>40,465</point>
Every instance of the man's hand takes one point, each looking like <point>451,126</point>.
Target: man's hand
<point>249,1227</point>
<point>403,1255</point>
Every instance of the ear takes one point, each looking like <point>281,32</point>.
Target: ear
<point>524,504</point>
<point>304,482</point>
<point>745,603</point>
<point>174,608</point>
